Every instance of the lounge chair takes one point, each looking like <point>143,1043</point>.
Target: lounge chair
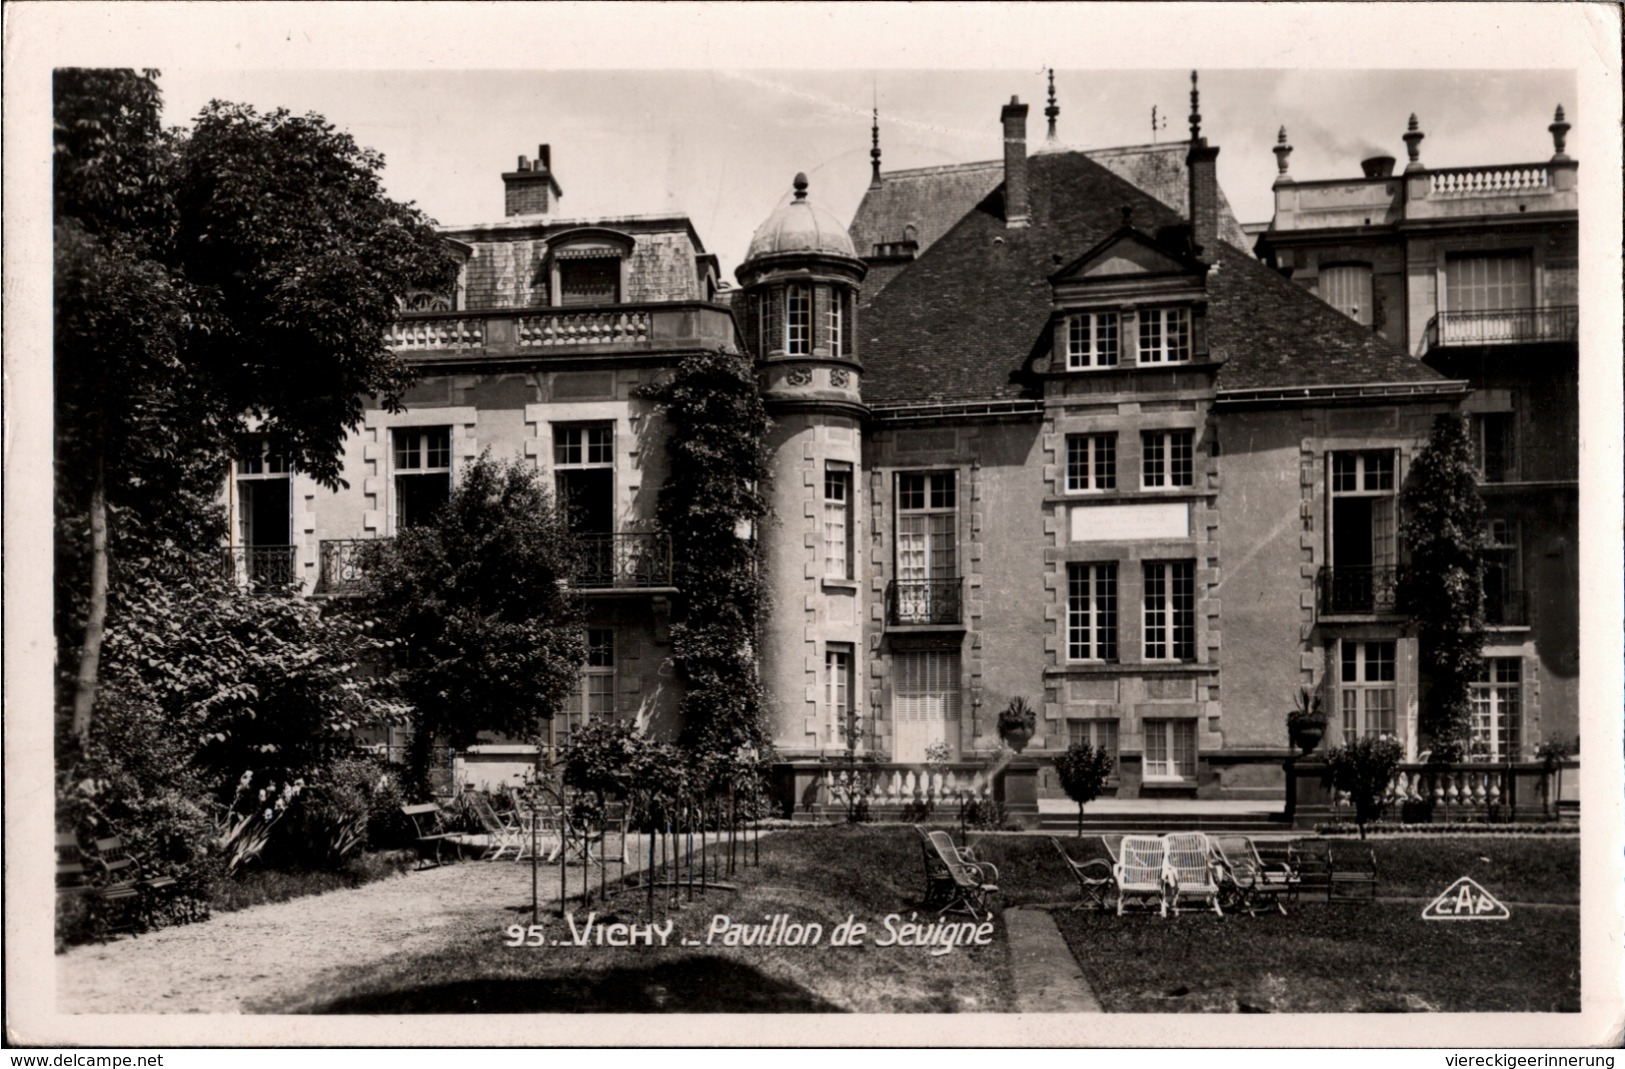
<point>501,835</point>
<point>972,881</point>
<point>1191,873</point>
<point>1141,871</point>
<point>1095,880</point>
<point>1247,882</point>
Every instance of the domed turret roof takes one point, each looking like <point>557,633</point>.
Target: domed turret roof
<point>799,225</point>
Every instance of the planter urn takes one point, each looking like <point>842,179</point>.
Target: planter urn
<point>1306,734</point>
<point>1018,739</point>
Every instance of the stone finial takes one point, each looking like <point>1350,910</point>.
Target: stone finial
<point>1282,150</point>
<point>1413,144</point>
<point>874,151</point>
<point>1560,132</point>
<point>801,186</point>
<point>1053,110</point>
<point>1196,110</point>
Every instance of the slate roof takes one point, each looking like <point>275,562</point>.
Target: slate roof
<point>967,318</point>
<point>932,199</point>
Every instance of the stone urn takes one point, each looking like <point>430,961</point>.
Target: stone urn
<point>1306,734</point>
<point>1016,724</point>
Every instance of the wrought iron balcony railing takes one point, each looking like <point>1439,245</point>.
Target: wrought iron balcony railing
<point>344,564</point>
<point>1359,591</point>
<point>625,560</point>
<point>1512,326</point>
<point>1506,608</point>
<point>260,566</point>
<point>924,601</point>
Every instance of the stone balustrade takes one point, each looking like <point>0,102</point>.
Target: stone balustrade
<point>436,332</point>
<point>907,786</point>
<point>555,330</point>
<point>531,332</point>
<point>1489,181</point>
<point>1465,791</point>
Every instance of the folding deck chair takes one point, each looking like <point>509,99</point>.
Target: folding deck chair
<point>1140,871</point>
<point>1191,873</point>
<point>502,835</point>
<point>1095,880</point>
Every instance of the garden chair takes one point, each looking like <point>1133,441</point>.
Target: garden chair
<point>426,820</point>
<point>501,835</point>
<point>1141,871</point>
<point>965,854</point>
<point>1351,876</point>
<point>1248,882</point>
<point>1095,880</point>
<point>120,877</point>
<point>72,878</point>
<point>971,885</point>
<point>939,881</point>
<point>1191,872</point>
<point>547,834</point>
<point>581,840</point>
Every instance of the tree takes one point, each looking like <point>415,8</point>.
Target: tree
<point>1443,587</point>
<point>237,275</point>
<point>479,600</point>
<point>716,438</point>
<point>1364,769</point>
<point>1082,770</point>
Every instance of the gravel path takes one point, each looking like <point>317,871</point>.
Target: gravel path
<point>237,960</point>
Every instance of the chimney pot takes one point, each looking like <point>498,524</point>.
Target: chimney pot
<point>1378,166</point>
<point>544,157</point>
<point>524,164</point>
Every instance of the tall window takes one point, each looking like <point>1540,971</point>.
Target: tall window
<point>798,321</point>
<point>422,474</point>
<point>925,701</point>
<point>1347,288</point>
<point>265,516</point>
<point>927,553</point>
<point>1170,610</point>
<point>1165,335</point>
<point>1503,573</point>
<point>1091,340</point>
<point>838,690</point>
<point>1488,282</point>
<point>1170,749</point>
<point>1101,734</point>
<point>1363,548</point>
<point>1498,709</point>
<point>770,320</point>
<point>1367,689</point>
<point>1495,447</point>
<point>837,520</point>
<point>1165,459</point>
<point>584,468</point>
<point>1091,462</point>
<point>597,698</point>
<point>835,323</point>
<point>594,279</point>
<point>1091,612</point>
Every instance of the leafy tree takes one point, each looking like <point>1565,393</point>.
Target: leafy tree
<point>238,274</point>
<point>1443,587</point>
<point>492,636</point>
<point>716,438</point>
<point>1082,770</point>
<point>1364,769</point>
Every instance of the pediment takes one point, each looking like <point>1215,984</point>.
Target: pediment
<point>1127,254</point>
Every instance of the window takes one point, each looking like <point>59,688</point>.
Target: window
<point>838,691</point>
<point>597,697</point>
<point>1498,710</point>
<point>1488,282</point>
<point>1363,550</point>
<point>1170,611</point>
<point>590,279</point>
<point>584,470</point>
<point>927,549</point>
<point>1101,734</point>
<point>1170,749</point>
<point>925,701</point>
<point>798,321</point>
<point>422,474</point>
<point>1091,340</point>
<point>1091,462</point>
<point>1165,336</point>
<point>835,323</point>
<point>1503,573</point>
<point>1367,689</point>
<point>264,521</point>
<point>1495,452</point>
<point>837,521</point>
<point>1348,289</point>
<point>1165,459</point>
<point>1091,612</point>
<point>770,319</point>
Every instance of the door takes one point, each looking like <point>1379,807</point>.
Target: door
<point>925,703</point>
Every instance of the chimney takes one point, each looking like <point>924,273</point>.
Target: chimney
<point>1014,118</point>
<point>1202,163</point>
<point>1378,166</point>
<point>526,188</point>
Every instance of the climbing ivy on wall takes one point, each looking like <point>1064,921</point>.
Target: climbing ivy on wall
<point>717,442</point>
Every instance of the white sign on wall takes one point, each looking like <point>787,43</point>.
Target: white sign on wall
<point>1126,523</point>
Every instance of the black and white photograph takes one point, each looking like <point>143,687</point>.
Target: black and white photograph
<point>864,525</point>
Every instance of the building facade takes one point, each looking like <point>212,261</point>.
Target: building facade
<point>1474,271</point>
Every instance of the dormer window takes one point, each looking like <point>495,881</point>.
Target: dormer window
<point>588,266</point>
<point>1091,340</point>
<point>1165,336</point>
<point>590,280</point>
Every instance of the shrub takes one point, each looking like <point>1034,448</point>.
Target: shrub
<point>1364,769</point>
<point>1082,770</point>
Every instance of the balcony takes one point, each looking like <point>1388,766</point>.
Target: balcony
<point>531,332</point>
<point>259,567</point>
<point>1514,326</point>
<point>1506,608</point>
<point>627,561</point>
<point>1359,591</point>
<point>924,602</point>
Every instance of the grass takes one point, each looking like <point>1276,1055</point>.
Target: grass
<point>258,888</point>
<point>814,874</point>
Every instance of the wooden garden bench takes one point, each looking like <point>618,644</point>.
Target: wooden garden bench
<point>428,815</point>
<point>114,876</point>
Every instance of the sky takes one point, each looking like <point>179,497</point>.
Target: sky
<point>722,145</point>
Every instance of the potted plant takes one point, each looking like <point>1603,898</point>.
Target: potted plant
<point>1016,723</point>
<point>1306,723</point>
